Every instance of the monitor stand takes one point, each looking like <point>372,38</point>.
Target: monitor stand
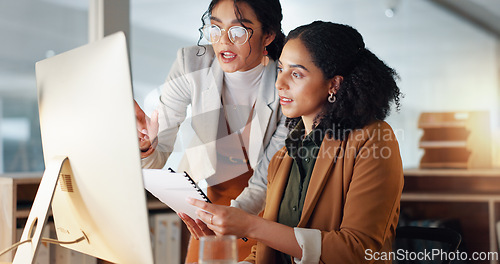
<point>37,218</point>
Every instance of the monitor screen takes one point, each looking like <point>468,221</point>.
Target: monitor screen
<point>87,114</point>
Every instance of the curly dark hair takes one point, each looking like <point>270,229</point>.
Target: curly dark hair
<point>369,85</point>
<point>268,13</point>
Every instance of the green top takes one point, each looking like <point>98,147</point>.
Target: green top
<point>304,150</point>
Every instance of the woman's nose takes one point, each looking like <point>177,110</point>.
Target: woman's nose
<point>280,82</point>
<point>224,37</point>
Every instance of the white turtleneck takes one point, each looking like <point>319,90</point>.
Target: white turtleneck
<point>239,93</point>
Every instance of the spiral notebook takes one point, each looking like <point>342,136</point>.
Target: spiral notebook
<point>172,188</point>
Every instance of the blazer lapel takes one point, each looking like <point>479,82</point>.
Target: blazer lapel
<point>212,103</point>
<point>263,111</point>
<point>275,193</point>
<point>205,121</point>
<point>327,155</point>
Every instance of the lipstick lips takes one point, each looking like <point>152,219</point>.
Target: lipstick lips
<point>285,100</point>
<point>227,56</point>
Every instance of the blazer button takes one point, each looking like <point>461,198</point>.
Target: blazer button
<point>294,208</point>
<point>307,159</point>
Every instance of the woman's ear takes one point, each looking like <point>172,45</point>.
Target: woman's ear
<point>269,38</point>
<point>335,84</point>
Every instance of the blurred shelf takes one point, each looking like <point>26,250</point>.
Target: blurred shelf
<point>459,140</point>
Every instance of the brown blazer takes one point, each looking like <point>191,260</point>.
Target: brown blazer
<point>354,201</point>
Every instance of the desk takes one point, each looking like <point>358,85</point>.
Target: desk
<point>471,196</point>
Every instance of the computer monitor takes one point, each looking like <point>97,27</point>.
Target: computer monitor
<point>87,115</point>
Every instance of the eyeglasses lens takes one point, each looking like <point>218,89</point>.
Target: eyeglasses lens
<point>237,35</point>
<point>213,33</point>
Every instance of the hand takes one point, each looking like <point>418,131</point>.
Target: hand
<point>147,130</point>
<point>225,220</point>
<point>196,227</point>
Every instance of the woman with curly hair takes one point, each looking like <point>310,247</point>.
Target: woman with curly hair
<point>334,190</point>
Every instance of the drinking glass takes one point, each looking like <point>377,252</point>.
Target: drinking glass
<point>218,250</point>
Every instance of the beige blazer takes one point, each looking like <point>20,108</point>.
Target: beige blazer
<point>196,81</point>
<point>353,201</point>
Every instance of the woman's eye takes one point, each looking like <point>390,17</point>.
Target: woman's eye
<point>297,75</point>
<point>280,70</point>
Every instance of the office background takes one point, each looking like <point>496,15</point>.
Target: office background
<point>447,61</point>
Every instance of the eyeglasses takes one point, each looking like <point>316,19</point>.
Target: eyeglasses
<point>237,34</point>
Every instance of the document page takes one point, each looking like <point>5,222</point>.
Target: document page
<point>172,189</point>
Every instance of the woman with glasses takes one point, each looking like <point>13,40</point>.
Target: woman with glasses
<point>334,189</point>
<point>235,110</point>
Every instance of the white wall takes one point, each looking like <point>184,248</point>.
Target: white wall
<point>445,63</point>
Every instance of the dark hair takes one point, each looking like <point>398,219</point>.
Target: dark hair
<point>368,87</point>
<point>269,14</point>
